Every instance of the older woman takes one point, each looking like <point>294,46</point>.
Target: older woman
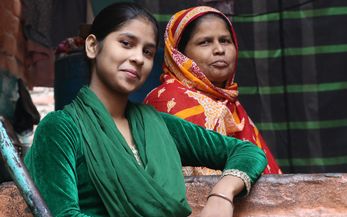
<point>198,80</point>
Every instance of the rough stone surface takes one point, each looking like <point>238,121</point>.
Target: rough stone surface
<point>12,203</point>
<point>310,195</point>
<point>314,195</point>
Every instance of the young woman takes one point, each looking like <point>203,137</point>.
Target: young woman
<point>198,81</point>
<point>105,156</point>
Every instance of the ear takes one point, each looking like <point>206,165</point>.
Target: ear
<point>91,46</point>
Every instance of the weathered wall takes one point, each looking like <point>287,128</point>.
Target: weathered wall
<point>12,42</point>
<point>316,195</point>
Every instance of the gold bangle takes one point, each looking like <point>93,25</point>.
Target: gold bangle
<point>221,196</point>
<point>242,175</point>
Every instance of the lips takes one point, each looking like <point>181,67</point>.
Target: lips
<point>132,73</point>
<point>219,64</point>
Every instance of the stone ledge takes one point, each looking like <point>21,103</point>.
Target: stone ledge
<point>309,195</point>
<point>299,195</point>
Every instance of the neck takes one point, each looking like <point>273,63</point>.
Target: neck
<point>219,84</point>
<point>114,102</point>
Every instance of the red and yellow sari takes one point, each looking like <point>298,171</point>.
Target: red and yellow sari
<point>187,93</point>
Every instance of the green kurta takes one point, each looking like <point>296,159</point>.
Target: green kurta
<point>58,166</point>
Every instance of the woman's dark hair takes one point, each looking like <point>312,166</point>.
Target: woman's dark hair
<point>190,28</point>
<point>114,16</point>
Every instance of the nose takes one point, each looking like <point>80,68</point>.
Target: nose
<point>137,57</point>
<point>218,49</point>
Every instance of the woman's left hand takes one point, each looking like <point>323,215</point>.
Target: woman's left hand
<point>217,207</point>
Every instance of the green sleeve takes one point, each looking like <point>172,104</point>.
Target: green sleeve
<point>200,147</point>
<point>51,162</point>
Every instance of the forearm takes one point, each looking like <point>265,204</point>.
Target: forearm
<point>220,200</point>
<point>229,186</point>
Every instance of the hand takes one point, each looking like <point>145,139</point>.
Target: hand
<point>217,207</point>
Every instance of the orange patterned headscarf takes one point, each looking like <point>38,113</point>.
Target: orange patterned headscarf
<point>186,70</point>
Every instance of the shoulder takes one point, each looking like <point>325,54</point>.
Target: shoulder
<point>57,129</point>
<point>56,138</point>
<point>56,120</point>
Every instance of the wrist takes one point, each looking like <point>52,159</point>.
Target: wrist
<point>239,174</point>
<point>221,196</point>
<point>229,186</point>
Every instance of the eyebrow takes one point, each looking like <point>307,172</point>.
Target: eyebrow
<point>226,36</point>
<point>208,38</point>
<point>133,37</point>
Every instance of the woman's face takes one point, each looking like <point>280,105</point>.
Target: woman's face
<point>212,48</point>
<point>124,59</point>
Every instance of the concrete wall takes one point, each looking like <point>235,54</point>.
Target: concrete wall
<point>315,195</point>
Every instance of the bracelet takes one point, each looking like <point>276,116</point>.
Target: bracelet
<point>240,174</point>
<point>221,196</point>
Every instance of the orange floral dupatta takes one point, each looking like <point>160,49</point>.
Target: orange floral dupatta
<point>187,93</point>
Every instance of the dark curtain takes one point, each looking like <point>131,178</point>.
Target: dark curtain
<point>293,80</point>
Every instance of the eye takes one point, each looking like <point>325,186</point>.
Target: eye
<point>225,40</point>
<point>204,43</point>
<point>125,43</point>
<point>148,53</point>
